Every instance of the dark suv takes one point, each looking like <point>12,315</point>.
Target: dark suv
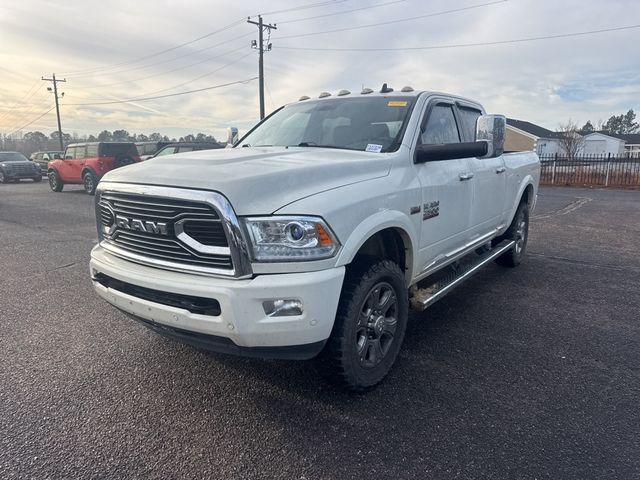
<point>86,163</point>
<point>42,158</point>
<point>14,166</point>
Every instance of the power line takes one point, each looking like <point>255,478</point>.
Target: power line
<point>342,12</point>
<point>189,81</point>
<point>104,68</point>
<point>31,122</point>
<point>24,114</point>
<point>464,45</point>
<point>30,93</point>
<point>233,62</point>
<point>172,58</point>
<point>302,7</point>
<point>130,100</point>
<point>389,22</point>
<point>145,57</point>
<point>165,72</point>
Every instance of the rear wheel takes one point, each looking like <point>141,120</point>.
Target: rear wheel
<point>90,182</point>
<point>518,231</point>
<point>369,326</point>
<point>55,182</point>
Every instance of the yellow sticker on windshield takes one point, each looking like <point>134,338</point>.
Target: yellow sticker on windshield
<point>397,103</point>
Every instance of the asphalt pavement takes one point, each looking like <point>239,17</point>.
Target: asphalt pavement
<point>526,373</point>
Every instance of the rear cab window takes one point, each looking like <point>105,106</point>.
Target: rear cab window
<point>92,151</point>
<point>117,150</point>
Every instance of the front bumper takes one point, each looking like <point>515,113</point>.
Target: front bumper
<point>9,175</point>
<point>241,327</point>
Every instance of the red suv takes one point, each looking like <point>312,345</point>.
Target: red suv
<point>86,163</point>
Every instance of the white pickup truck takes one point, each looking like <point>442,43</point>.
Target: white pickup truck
<point>318,230</point>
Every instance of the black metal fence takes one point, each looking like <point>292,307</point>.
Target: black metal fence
<point>591,170</point>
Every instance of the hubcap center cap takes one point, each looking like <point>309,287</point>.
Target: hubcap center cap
<point>378,325</point>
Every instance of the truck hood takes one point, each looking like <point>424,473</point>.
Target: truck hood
<point>257,181</point>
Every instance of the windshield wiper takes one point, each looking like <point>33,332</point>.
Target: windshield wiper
<point>315,145</point>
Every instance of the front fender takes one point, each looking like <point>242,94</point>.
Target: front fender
<point>382,220</point>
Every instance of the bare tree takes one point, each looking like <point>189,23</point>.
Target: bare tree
<point>570,140</point>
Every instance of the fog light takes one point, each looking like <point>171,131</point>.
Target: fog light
<point>285,307</point>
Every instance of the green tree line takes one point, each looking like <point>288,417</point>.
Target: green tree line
<point>620,124</point>
<point>38,141</point>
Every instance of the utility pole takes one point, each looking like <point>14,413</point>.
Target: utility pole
<point>260,47</point>
<point>55,94</point>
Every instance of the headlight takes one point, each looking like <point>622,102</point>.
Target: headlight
<point>290,239</point>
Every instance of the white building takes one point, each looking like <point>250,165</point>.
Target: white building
<point>598,143</point>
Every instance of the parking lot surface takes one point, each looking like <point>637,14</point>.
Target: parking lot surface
<point>527,373</point>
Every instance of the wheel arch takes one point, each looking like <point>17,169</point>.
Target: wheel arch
<point>527,192</point>
<point>391,238</point>
<point>86,169</point>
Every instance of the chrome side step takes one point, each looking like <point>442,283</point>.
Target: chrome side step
<point>421,298</point>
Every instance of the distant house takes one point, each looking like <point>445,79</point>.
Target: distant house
<point>601,144</point>
<point>631,143</point>
<point>523,136</point>
<point>527,136</point>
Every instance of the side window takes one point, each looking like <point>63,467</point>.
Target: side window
<point>92,151</point>
<point>468,118</point>
<point>69,153</point>
<point>185,149</point>
<point>80,151</point>
<point>441,126</point>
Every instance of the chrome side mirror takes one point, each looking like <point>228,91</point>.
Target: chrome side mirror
<point>232,136</point>
<point>491,129</point>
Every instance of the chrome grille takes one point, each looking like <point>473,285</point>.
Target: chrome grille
<point>123,216</point>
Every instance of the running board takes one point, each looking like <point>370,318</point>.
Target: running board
<point>422,298</point>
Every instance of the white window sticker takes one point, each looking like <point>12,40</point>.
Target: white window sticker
<point>372,147</point>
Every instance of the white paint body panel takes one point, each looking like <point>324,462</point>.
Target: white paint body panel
<point>356,193</point>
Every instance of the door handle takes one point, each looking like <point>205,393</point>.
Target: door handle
<point>465,176</point>
<point>500,170</point>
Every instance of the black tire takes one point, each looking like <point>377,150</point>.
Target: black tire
<point>89,182</point>
<point>519,232</point>
<point>55,182</point>
<point>123,162</point>
<point>369,326</point>
<point>37,179</point>
<point>3,178</point>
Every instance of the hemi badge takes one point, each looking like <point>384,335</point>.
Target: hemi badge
<point>414,210</point>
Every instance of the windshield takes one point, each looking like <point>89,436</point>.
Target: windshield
<point>12,157</point>
<point>373,124</point>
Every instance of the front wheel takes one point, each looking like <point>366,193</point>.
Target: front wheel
<point>90,182</point>
<point>369,326</point>
<point>518,231</point>
<point>3,178</point>
<point>37,179</point>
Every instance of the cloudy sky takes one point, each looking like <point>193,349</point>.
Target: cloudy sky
<point>121,50</point>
